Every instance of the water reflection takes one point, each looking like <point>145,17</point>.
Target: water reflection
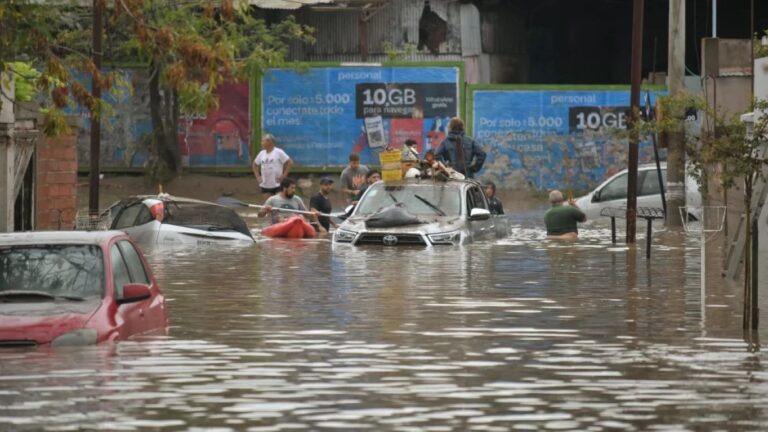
<point>520,333</point>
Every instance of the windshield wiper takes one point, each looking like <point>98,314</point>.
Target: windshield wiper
<point>437,209</point>
<point>393,198</point>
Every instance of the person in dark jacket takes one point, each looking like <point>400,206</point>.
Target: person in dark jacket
<point>470,160</point>
<point>494,204</point>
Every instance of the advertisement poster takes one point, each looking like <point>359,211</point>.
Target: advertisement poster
<point>222,137</point>
<point>528,134</point>
<point>321,115</point>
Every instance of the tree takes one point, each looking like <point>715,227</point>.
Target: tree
<point>741,156</point>
<point>190,47</point>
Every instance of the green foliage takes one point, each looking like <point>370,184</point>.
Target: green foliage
<point>738,150</point>
<point>25,79</point>
<point>760,49</point>
<point>394,53</point>
<point>193,46</point>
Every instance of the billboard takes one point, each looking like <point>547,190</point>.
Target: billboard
<point>529,133</point>
<point>321,115</point>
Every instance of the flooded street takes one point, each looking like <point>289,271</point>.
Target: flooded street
<point>516,334</point>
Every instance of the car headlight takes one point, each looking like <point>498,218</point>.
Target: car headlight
<point>80,337</point>
<point>344,236</point>
<point>449,238</point>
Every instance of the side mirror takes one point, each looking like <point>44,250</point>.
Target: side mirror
<point>132,293</point>
<point>349,209</point>
<point>478,214</point>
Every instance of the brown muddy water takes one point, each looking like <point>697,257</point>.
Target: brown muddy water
<point>516,334</point>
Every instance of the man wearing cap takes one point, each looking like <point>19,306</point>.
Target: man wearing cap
<point>321,203</point>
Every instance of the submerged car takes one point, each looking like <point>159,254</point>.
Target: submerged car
<point>420,213</point>
<point>613,192</point>
<point>64,288</point>
<point>166,219</point>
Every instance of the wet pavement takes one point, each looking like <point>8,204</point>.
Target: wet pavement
<point>516,334</point>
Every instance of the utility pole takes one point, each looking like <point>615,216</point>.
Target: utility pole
<point>676,140</point>
<point>98,28</point>
<point>634,135</point>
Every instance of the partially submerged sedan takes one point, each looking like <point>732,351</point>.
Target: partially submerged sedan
<point>166,219</point>
<point>420,213</point>
<point>75,288</point>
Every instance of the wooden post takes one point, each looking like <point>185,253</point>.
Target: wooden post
<point>634,136</point>
<point>98,28</point>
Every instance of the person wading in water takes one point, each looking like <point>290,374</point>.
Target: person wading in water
<point>561,220</point>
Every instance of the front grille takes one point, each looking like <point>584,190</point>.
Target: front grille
<point>402,239</point>
<point>23,343</point>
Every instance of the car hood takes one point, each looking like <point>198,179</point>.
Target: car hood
<point>428,225</point>
<point>42,322</point>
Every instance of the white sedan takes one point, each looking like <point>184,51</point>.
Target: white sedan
<point>613,192</point>
<point>166,219</point>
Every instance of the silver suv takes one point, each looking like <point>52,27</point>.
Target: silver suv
<point>441,213</point>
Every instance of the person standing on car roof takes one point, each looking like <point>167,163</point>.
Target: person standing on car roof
<point>271,166</point>
<point>561,220</point>
<point>461,152</point>
<point>286,199</point>
<point>320,202</point>
<point>494,204</point>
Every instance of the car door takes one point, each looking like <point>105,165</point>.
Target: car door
<point>129,317</point>
<point>152,310</point>
<point>649,191</point>
<point>480,229</point>
<point>612,194</point>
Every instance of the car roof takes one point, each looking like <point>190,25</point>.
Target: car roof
<point>167,197</point>
<point>57,237</point>
<point>429,182</point>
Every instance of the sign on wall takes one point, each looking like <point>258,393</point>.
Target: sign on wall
<point>222,136</point>
<point>528,134</point>
<point>321,115</point>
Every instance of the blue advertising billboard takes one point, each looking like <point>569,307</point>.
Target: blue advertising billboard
<point>321,115</point>
<point>529,133</point>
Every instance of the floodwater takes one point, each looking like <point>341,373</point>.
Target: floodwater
<point>516,334</point>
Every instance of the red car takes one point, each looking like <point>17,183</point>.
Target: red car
<point>68,288</point>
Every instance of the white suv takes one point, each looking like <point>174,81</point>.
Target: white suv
<point>613,192</point>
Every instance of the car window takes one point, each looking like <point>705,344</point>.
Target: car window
<point>417,198</point>
<point>144,216</point>
<point>204,216</point>
<point>136,268</point>
<point>60,269</point>
<point>120,274</point>
<point>650,182</point>
<point>477,199</point>
<point>616,189</point>
<point>128,216</point>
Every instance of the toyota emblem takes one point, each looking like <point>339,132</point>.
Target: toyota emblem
<point>389,240</point>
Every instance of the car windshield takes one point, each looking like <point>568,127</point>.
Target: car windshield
<point>204,216</point>
<point>420,199</point>
<point>57,270</point>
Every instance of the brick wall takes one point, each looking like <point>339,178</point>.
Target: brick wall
<point>56,183</point>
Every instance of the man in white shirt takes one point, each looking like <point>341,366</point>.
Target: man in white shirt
<point>271,166</point>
